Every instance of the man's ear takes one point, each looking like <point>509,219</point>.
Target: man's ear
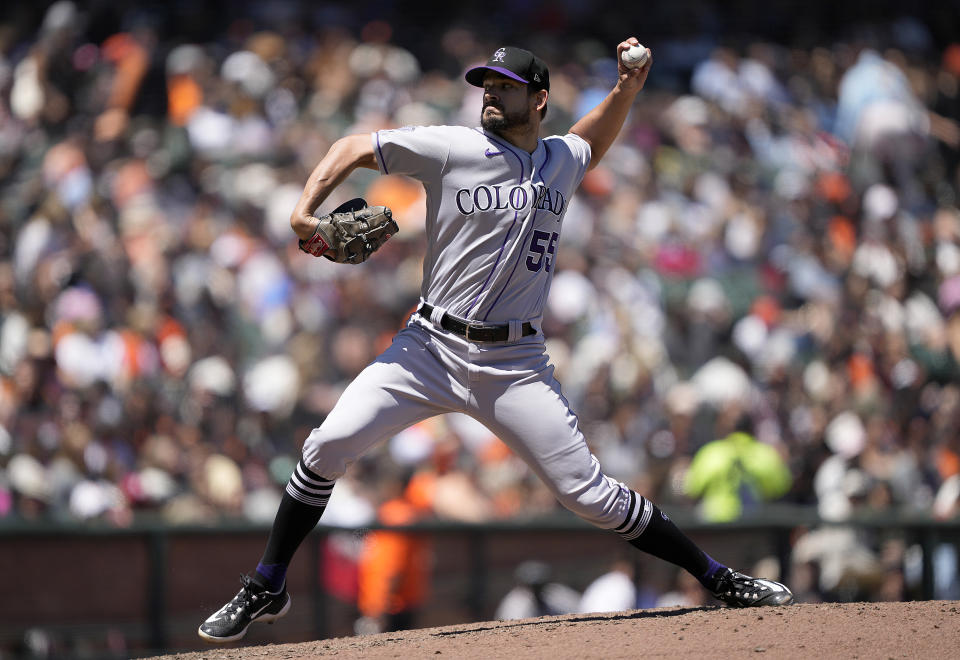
<point>542,99</point>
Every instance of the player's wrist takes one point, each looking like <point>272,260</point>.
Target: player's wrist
<point>303,224</point>
<point>626,89</point>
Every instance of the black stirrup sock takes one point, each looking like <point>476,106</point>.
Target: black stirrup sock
<point>649,529</point>
<point>300,509</point>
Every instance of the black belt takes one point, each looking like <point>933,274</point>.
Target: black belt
<point>476,330</point>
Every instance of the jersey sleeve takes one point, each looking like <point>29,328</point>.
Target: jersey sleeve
<point>579,152</point>
<point>415,151</point>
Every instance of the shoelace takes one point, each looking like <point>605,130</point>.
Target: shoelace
<point>747,588</point>
<point>246,597</point>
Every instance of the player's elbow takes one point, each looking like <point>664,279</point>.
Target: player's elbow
<point>354,151</point>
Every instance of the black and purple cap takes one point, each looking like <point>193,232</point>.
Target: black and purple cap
<point>516,63</point>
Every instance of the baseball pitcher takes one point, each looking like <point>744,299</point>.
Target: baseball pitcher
<point>496,199</point>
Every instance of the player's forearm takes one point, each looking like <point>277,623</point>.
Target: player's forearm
<point>600,126</point>
<point>346,155</point>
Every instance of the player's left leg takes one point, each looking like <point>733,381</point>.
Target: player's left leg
<point>552,445</point>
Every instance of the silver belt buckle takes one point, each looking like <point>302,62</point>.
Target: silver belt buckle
<point>477,326</point>
<point>470,326</point>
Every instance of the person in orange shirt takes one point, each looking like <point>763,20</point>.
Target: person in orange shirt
<point>393,570</point>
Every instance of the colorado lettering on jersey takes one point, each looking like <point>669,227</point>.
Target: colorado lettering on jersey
<point>501,198</point>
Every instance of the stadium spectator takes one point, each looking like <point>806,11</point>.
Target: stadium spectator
<point>162,342</point>
<point>614,591</point>
<point>393,568</point>
<point>535,594</point>
<point>735,473</point>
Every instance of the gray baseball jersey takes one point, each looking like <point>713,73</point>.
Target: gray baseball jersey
<point>493,221</point>
<point>493,214</point>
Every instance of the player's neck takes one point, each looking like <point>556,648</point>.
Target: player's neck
<point>525,139</point>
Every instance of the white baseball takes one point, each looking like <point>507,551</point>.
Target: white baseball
<point>634,57</point>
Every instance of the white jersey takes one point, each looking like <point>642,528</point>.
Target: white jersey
<point>494,214</point>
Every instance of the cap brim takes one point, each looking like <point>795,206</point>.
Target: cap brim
<point>475,75</point>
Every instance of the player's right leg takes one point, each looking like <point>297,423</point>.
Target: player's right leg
<point>404,385</point>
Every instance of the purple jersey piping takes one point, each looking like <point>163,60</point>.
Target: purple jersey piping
<point>533,218</point>
<point>380,151</point>
<point>505,238</point>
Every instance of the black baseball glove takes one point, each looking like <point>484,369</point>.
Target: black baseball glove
<point>351,232</point>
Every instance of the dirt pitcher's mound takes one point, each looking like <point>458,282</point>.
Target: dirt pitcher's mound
<point>867,630</point>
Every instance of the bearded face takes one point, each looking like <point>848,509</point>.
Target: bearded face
<point>494,117</point>
<point>507,104</point>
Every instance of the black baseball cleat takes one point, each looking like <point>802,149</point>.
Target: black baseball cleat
<point>252,603</point>
<point>739,590</point>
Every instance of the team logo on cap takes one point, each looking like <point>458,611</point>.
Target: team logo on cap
<point>499,55</point>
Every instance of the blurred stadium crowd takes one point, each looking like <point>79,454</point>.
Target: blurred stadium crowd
<point>771,247</point>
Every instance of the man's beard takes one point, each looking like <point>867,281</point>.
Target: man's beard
<point>505,122</point>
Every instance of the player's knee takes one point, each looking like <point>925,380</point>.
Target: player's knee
<point>323,457</point>
<point>587,508</point>
<point>602,505</point>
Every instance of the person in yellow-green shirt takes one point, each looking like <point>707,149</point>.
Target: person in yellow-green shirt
<point>724,472</point>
